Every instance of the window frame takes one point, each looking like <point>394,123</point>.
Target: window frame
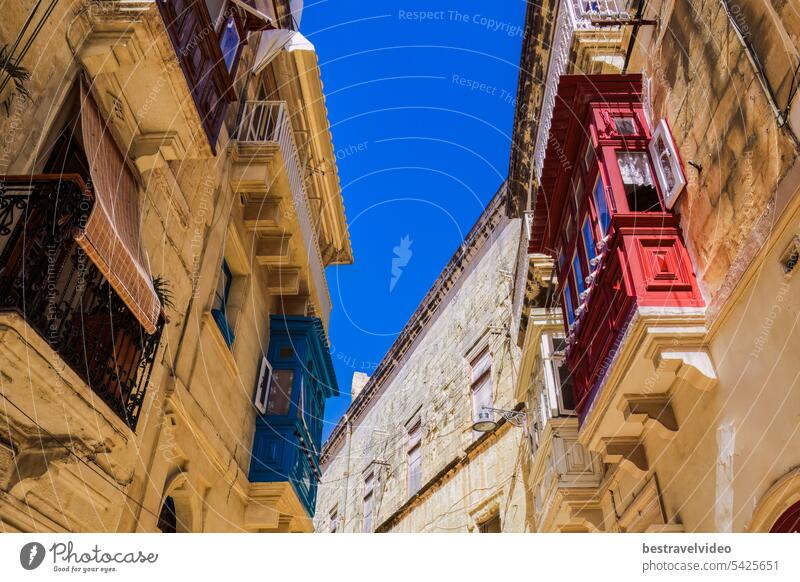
<point>481,384</point>
<point>414,456</point>
<point>220,313</point>
<point>368,501</point>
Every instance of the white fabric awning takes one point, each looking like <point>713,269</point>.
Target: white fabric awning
<point>272,42</point>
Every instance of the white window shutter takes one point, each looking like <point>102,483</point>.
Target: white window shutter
<point>667,163</point>
<point>262,387</point>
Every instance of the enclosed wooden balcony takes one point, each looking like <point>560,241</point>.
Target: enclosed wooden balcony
<point>49,287</point>
<point>604,211</point>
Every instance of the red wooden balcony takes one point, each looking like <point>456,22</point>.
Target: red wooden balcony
<point>603,210</point>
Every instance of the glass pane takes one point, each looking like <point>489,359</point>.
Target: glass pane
<point>280,394</point>
<point>625,125</point>
<point>578,272</point>
<point>568,304</point>
<point>229,42</point>
<point>602,206</point>
<point>588,240</point>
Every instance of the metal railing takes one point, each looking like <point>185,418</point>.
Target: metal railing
<point>573,16</point>
<point>268,121</point>
<point>48,279</point>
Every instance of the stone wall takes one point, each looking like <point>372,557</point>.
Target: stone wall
<point>461,482</point>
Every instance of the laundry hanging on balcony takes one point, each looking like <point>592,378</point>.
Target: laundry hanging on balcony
<point>110,236</point>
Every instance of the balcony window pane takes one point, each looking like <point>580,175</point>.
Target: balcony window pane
<point>588,241</point>
<point>568,304</point>
<point>580,286</point>
<point>601,205</point>
<point>280,394</point>
<point>640,188</point>
<point>229,42</point>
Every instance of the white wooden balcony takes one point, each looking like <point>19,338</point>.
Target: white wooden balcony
<point>269,173</point>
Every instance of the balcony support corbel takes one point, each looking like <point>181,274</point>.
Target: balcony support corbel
<point>649,411</point>
<point>628,453</point>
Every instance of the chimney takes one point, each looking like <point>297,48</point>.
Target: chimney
<point>360,379</point>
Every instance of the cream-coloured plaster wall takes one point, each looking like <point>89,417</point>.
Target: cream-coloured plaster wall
<point>432,382</point>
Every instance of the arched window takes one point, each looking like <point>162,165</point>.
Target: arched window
<point>167,519</point>
<point>789,521</point>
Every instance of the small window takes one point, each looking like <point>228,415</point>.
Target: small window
<point>262,386</point>
<point>580,285</point>
<point>667,163</point>
<point>481,383</point>
<point>368,502</point>
<point>625,126</point>
<point>229,41</point>
<point>588,155</point>
<point>562,377</point>
<point>568,305</point>
<point>601,204</point>
<point>589,244</point>
<point>280,393</point>
<point>219,307</point>
<point>334,519</point>
<point>577,191</point>
<point>640,189</point>
<point>491,525</point>
<point>414,458</point>
<point>561,258</point>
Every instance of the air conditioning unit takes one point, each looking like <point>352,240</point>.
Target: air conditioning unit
<point>262,386</point>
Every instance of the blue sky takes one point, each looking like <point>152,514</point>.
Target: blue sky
<point>420,96</point>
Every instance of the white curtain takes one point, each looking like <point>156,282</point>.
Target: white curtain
<point>635,168</point>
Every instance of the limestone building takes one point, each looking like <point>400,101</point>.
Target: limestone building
<point>405,457</point>
<point>655,162</point>
<point>165,230</point>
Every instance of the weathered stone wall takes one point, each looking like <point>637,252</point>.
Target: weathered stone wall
<point>432,381</point>
<point>705,85</point>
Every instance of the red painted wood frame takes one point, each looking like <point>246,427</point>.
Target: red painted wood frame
<point>642,260</point>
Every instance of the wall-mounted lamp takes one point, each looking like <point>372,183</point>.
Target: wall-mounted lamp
<point>486,422</point>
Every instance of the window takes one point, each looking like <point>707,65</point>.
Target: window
<point>280,393</point>
<point>491,525</point>
<point>557,375</point>
<point>667,163</point>
<point>334,516</point>
<point>625,126</point>
<point>601,205</point>
<point>368,502</point>
<point>589,244</point>
<point>580,285</point>
<point>414,458</point>
<point>481,383</point>
<point>640,190</point>
<point>219,307</point>
<point>229,41</point>
<point>262,386</point>
<point>588,155</point>
<point>568,305</point>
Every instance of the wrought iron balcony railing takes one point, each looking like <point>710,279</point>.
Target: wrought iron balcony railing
<point>48,279</point>
<point>265,122</point>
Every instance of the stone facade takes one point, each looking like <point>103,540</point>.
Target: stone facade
<point>68,462</point>
<point>467,478</point>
